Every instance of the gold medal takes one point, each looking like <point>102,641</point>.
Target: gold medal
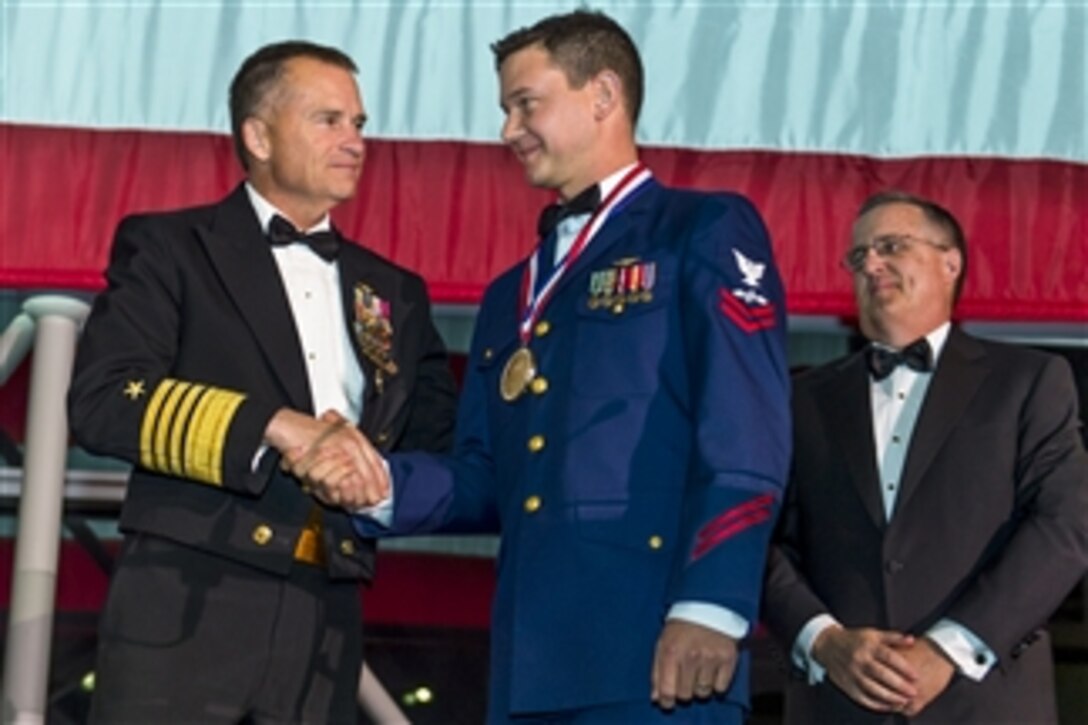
<point>516,374</point>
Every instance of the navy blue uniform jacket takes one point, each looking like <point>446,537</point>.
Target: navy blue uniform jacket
<point>645,464</point>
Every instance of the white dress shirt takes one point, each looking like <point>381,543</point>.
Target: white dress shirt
<point>567,230</point>
<point>313,292</point>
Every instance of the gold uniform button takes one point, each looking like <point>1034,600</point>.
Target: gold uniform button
<point>383,437</point>
<point>536,444</point>
<point>347,547</point>
<point>542,328</point>
<point>617,309</point>
<point>489,353</point>
<point>539,385</point>
<point>533,504</point>
<point>262,535</point>
<point>655,542</point>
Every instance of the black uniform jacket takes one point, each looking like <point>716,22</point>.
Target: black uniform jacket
<point>192,348</point>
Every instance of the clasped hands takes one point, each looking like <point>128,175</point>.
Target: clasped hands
<point>332,459</point>
<point>883,670</point>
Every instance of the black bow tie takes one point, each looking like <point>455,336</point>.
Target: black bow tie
<point>916,356</point>
<point>282,232</point>
<point>550,216</point>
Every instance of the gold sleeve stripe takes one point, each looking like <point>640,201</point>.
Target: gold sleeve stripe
<point>165,424</point>
<point>180,426</point>
<point>226,413</point>
<point>207,435</point>
<point>197,438</point>
<point>184,429</point>
<point>149,423</point>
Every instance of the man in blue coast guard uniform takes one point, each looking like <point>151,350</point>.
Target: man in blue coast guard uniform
<point>625,415</point>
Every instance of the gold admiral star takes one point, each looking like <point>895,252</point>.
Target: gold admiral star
<point>135,389</point>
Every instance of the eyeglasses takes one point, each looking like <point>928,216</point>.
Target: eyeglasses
<point>889,246</point>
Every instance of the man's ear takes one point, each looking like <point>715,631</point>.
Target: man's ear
<point>256,139</point>
<point>607,93</point>
<point>953,262</point>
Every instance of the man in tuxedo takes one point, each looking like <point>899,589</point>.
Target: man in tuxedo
<point>624,421</point>
<point>224,330</point>
<point>937,512</point>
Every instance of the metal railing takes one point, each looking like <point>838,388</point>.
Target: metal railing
<point>50,325</point>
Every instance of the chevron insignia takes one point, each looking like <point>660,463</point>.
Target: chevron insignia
<point>747,309</point>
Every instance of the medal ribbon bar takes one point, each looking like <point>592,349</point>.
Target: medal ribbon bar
<point>533,306</point>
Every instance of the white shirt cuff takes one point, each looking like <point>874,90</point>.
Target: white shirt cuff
<point>711,616</point>
<point>972,657</point>
<point>381,513</point>
<point>802,647</point>
<point>256,462</point>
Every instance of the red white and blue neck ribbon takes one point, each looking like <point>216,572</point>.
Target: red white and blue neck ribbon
<point>533,305</point>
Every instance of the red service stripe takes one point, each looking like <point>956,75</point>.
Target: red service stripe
<point>728,516</point>
<point>704,545</point>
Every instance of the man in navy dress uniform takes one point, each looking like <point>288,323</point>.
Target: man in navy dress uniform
<point>223,332</point>
<point>625,415</point>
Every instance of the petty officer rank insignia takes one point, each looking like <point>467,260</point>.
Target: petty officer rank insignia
<point>627,281</point>
<point>374,329</point>
<point>745,306</point>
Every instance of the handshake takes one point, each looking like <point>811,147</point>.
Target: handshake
<point>332,459</point>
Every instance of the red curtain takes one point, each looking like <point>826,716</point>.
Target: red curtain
<point>460,213</point>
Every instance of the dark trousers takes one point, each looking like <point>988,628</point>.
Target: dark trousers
<point>188,637</point>
<point>714,712</point>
